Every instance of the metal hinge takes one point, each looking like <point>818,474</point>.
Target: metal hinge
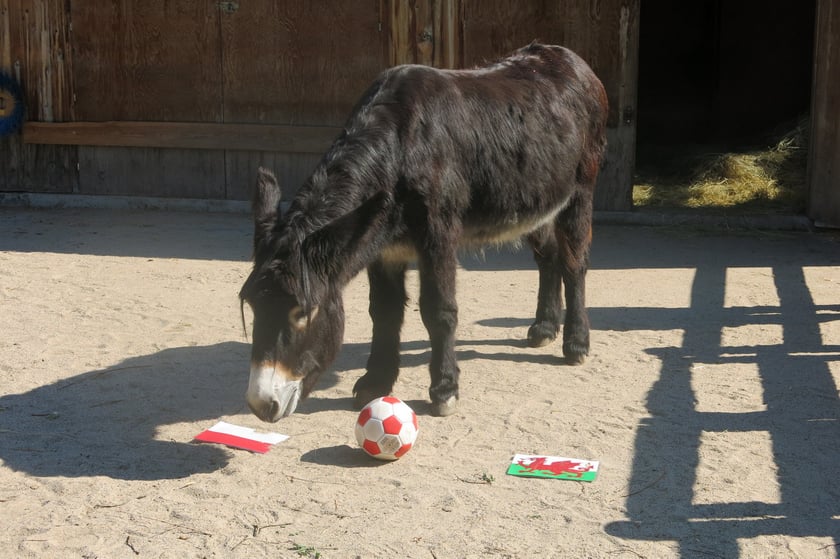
<point>229,7</point>
<point>628,115</point>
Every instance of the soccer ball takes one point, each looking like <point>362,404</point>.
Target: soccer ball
<point>386,428</point>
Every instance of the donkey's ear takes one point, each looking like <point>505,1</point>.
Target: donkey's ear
<point>265,204</point>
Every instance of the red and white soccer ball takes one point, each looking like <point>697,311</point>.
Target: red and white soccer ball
<point>386,428</point>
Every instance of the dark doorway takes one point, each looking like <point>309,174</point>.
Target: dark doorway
<point>722,72</point>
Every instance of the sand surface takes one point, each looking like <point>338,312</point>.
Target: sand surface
<point>710,399</point>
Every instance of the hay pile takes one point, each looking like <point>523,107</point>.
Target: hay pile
<point>772,179</point>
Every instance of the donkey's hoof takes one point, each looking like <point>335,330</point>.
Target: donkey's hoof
<point>575,354</point>
<point>540,335</point>
<point>442,409</point>
<point>575,359</point>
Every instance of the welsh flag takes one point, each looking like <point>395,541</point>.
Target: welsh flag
<point>553,467</point>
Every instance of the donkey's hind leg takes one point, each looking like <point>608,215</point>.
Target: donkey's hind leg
<point>561,250</point>
<point>544,330</point>
<point>574,236</point>
<point>387,308</point>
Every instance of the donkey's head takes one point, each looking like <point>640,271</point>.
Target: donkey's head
<point>302,261</point>
<point>298,316</point>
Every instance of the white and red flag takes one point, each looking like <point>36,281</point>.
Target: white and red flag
<point>240,437</point>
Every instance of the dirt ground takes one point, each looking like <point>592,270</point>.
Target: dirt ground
<point>710,399</point>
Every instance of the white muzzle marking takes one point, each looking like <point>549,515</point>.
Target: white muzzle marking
<point>272,392</point>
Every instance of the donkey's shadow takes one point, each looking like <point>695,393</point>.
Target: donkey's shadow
<point>105,422</point>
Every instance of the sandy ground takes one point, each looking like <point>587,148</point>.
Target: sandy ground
<point>710,399</point>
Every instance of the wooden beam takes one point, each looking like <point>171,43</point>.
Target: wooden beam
<point>824,156</point>
<point>185,135</point>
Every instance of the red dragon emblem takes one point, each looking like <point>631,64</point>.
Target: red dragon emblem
<point>571,468</point>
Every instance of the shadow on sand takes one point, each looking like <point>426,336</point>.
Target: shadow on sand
<point>106,422</point>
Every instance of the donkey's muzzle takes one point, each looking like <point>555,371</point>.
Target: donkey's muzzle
<point>272,392</point>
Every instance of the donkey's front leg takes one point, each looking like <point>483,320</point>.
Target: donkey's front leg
<point>387,308</point>
<point>439,311</point>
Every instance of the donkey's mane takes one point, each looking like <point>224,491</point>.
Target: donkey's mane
<point>350,173</point>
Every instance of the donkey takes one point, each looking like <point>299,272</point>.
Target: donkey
<point>429,161</point>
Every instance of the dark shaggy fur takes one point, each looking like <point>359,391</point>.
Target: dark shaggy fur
<point>429,161</point>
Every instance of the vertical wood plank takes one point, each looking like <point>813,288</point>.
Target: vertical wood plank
<point>824,156</point>
<point>617,66</point>
<point>423,36</point>
<point>448,34</point>
<point>9,145</point>
<point>425,32</point>
<point>41,53</point>
<point>5,36</point>
<point>34,35</point>
<point>401,31</point>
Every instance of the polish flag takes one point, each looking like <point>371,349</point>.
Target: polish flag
<point>240,437</point>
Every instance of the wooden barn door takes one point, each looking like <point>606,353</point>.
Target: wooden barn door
<point>294,63</point>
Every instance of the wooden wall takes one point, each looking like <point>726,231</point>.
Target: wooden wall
<point>824,160</point>
<point>186,98</point>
